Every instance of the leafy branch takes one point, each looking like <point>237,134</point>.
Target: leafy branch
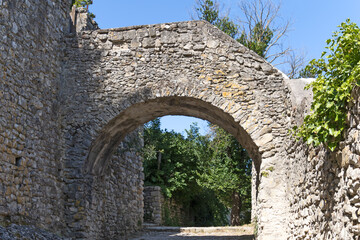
<point>338,72</point>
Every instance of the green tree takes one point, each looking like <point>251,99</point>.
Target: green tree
<point>82,3</point>
<point>225,175</point>
<point>258,39</point>
<point>189,170</point>
<point>172,162</point>
<point>338,72</point>
<point>260,29</point>
<point>306,73</point>
<point>228,173</point>
<point>208,10</point>
<point>169,160</point>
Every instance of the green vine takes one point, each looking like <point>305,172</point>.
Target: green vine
<point>338,72</point>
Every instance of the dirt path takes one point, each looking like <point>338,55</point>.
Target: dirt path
<point>211,233</point>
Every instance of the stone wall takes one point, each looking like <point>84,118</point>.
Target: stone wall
<point>152,204</point>
<point>324,186</point>
<point>31,168</point>
<point>37,179</point>
<point>114,201</point>
<point>108,206</point>
<point>175,214</point>
<point>164,211</point>
<point>21,232</point>
<point>81,21</point>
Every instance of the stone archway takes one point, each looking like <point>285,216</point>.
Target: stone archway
<point>140,113</point>
<point>118,79</point>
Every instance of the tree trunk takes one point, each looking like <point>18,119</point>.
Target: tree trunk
<point>235,209</point>
<point>159,160</point>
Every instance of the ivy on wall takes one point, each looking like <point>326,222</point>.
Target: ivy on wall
<point>338,72</point>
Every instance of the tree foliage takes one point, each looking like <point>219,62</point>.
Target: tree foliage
<point>228,173</point>
<point>200,172</point>
<point>305,73</point>
<point>258,39</point>
<point>170,160</point>
<point>260,29</point>
<point>224,172</point>
<point>82,3</point>
<point>337,71</point>
<point>208,10</point>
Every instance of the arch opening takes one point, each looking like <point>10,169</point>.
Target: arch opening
<point>140,113</point>
<point>201,161</point>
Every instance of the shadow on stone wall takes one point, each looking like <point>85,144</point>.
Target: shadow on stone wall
<point>325,198</point>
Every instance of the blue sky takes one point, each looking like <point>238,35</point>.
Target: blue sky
<point>313,22</point>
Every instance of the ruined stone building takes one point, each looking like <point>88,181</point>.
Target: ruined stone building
<point>71,100</point>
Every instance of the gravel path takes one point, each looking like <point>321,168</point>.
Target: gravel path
<point>195,234</point>
<point>181,236</point>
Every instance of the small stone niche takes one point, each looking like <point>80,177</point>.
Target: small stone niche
<point>18,161</point>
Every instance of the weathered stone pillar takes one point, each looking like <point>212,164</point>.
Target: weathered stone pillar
<point>81,21</point>
<point>152,204</point>
<point>272,203</point>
